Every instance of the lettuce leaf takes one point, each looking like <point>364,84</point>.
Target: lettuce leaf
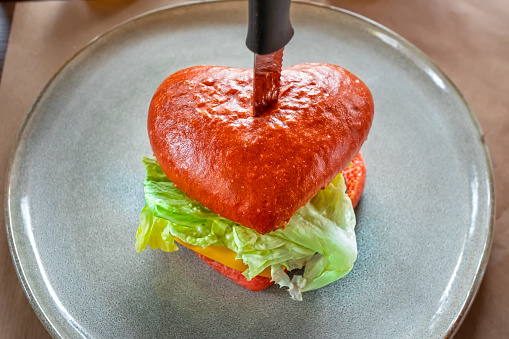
<point>320,236</point>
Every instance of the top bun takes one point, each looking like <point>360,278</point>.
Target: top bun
<point>257,171</point>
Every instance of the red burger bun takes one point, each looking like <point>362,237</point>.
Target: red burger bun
<point>257,171</point>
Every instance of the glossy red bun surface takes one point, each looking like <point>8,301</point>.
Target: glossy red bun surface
<point>257,171</point>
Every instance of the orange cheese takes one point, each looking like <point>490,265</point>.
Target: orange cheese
<point>223,255</point>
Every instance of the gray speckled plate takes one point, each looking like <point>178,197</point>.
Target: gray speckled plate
<point>75,190</point>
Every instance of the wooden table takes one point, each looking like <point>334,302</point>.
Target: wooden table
<point>468,39</point>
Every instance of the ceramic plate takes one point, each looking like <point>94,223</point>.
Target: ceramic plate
<point>75,190</point>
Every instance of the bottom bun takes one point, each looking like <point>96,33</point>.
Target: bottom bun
<point>256,284</point>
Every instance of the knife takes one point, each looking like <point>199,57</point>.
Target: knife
<point>269,30</point>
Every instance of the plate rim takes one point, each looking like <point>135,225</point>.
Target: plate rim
<point>483,260</point>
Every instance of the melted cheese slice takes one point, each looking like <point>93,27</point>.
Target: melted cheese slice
<point>223,255</point>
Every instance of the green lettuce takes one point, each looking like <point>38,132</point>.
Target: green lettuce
<point>320,236</point>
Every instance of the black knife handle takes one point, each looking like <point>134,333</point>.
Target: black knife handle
<point>269,27</point>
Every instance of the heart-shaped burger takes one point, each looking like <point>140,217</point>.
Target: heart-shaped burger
<point>257,171</point>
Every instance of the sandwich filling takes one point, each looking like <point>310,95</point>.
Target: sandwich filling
<point>320,236</point>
